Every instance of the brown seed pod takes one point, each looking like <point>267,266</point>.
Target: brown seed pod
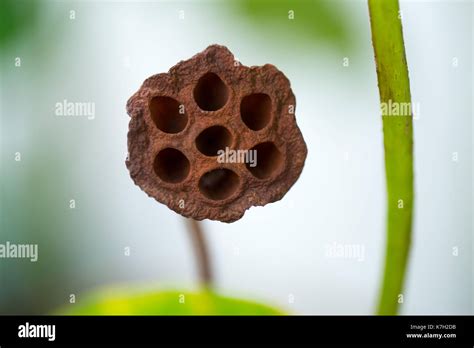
<point>192,128</point>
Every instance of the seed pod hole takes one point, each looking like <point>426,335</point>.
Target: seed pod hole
<point>213,139</point>
<point>210,92</point>
<point>256,110</point>
<point>219,183</point>
<point>168,114</point>
<point>171,165</point>
<point>269,160</point>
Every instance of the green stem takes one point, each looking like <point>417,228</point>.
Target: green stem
<point>394,88</point>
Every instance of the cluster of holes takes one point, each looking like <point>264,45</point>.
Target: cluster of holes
<point>211,94</point>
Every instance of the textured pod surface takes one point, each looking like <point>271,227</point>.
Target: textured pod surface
<point>211,137</point>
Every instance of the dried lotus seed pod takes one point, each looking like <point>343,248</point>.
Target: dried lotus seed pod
<point>212,138</point>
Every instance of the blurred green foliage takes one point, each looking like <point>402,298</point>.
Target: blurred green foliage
<point>16,17</point>
<point>314,21</point>
<point>31,214</point>
<point>34,192</point>
<point>119,302</point>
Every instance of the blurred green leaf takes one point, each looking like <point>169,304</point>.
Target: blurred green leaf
<point>120,302</point>
<point>16,17</point>
<point>313,21</point>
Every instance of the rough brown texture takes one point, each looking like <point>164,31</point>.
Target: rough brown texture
<point>180,119</point>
